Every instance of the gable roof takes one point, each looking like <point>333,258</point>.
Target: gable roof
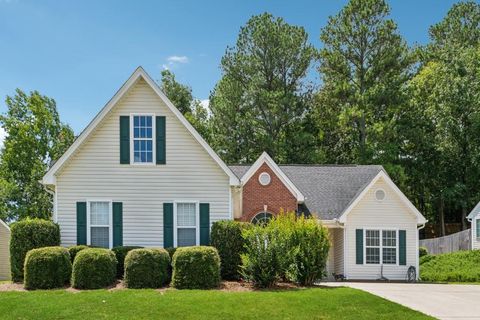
<point>265,158</point>
<point>139,73</point>
<point>382,175</point>
<point>329,190</point>
<point>474,212</point>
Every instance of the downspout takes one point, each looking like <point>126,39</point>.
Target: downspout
<point>418,248</point>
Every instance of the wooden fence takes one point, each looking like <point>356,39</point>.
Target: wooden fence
<point>451,243</point>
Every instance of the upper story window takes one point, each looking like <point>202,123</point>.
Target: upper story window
<point>142,139</point>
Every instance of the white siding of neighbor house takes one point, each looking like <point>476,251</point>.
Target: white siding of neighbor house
<point>4,252</point>
<point>475,236</point>
<point>95,172</point>
<point>391,213</point>
<point>337,247</point>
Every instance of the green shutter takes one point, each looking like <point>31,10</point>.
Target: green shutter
<point>204,224</point>
<point>402,240</point>
<point>81,223</point>
<point>168,225</point>
<point>160,140</point>
<point>359,245</point>
<point>117,224</point>
<point>124,140</point>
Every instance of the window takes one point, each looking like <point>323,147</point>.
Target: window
<point>381,250</point>
<point>477,229</point>
<point>186,224</point>
<point>264,179</point>
<point>262,218</point>
<point>143,139</point>
<point>99,224</point>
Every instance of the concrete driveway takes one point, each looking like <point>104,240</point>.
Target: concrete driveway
<point>442,301</point>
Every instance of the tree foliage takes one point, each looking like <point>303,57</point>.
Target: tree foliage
<point>263,97</point>
<point>35,138</point>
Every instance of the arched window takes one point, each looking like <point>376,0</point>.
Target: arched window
<point>262,218</point>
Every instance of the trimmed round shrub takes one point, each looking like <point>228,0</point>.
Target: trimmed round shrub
<point>47,268</point>
<point>422,251</point>
<point>120,254</point>
<point>196,268</point>
<point>146,268</point>
<point>94,268</point>
<point>74,250</point>
<point>30,234</point>
<point>227,238</point>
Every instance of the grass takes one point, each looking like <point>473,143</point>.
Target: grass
<point>461,266</point>
<point>315,303</point>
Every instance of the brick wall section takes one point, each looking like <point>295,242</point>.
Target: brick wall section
<point>275,195</point>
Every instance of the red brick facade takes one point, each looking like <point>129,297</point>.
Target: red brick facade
<point>275,195</point>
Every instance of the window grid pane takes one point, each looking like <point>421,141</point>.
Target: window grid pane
<point>372,238</point>
<point>99,213</point>
<point>99,237</point>
<point>389,256</point>
<point>373,255</point>
<point>389,238</point>
<point>186,214</point>
<point>142,139</point>
<point>186,237</point>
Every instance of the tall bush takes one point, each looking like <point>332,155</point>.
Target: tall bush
<point>94,268</point>
<point>74,250</point>
<point>288,247</point>
<point>227,238</point>
<point>147,268</point>
<point>120,253</point>
<point>196,268</point>
<point>30,234</point>
<point>47,268</point>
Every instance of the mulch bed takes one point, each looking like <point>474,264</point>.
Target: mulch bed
<point>228,286</point>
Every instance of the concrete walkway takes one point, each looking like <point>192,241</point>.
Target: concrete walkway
<point>442,301</point>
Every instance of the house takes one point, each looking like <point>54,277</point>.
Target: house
<point>4,251</point>
<point>139,174</point>
<point>474,218</point>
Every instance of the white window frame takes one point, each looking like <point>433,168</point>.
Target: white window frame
<point>110,220</point>
<point>132,139</point>
<point>380,230</point>
<point>197,221</point>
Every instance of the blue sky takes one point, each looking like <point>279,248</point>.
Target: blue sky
<point>80,52</point>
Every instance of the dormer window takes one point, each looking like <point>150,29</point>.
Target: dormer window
<point>142,136</point>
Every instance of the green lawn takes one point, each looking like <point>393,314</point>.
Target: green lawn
<point>316,303</point>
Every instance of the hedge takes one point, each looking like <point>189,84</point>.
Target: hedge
<point>94,268</point>
<point>146,268</point>
<point>460,266</point>
<point>30,234</point>
<point>227,238</point>
<point>74,250</point>
<point>196,268</point>
<point>120,254</point>
<point>47,268</point>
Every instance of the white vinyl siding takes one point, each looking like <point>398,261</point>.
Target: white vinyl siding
<point>390,213</point>
<point>4,252</point>
<point>476,232</point>
<point>338,250</point>
<point>95,172</point>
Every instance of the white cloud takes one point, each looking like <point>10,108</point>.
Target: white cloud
<point>177,59</point>
<point>205,103</point>
<point>3,134</point>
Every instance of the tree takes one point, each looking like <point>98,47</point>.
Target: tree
<point>35,138</point>
<point>179,94</point>
<point>263,97</point>
<point>364,63</point>
<point>181,97</point>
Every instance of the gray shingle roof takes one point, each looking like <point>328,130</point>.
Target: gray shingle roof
<point>328,190</point>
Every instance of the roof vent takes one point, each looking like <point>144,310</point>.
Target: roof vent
<point>264,179</point>
<point>380,194</point>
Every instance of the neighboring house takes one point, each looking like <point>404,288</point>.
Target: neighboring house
<point>474,218</point>
<point>4,251</point>
<point>140,174</point>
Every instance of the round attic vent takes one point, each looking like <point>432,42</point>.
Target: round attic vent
<point>264,179</point>
<point>380,194</point>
